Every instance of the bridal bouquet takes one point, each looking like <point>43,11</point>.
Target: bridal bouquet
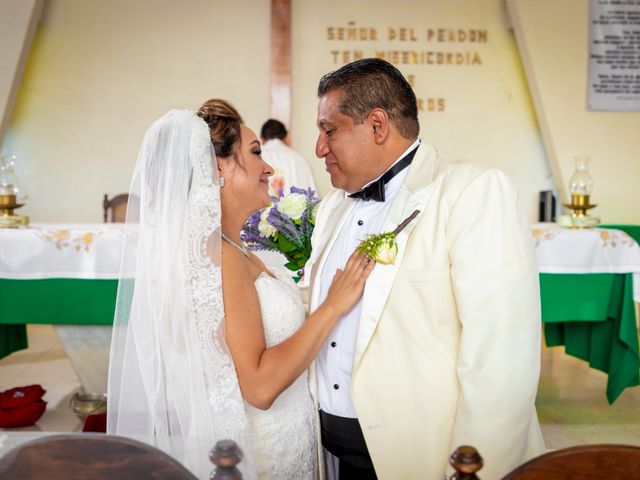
<point>285,226</point>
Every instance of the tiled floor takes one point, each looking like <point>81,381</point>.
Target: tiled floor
<point>571,401</point>
<point>573,408</point>
<point>46,363</point>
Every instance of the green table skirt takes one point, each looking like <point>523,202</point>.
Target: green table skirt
<point>12,338</point>
<point>52,301</point>
<point>593,316</point>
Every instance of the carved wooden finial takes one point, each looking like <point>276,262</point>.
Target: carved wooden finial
<point>466,461</point>
<point>105,206</point>
<point>226,455</point>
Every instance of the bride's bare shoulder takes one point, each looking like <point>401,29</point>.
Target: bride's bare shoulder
<point>237,268</point>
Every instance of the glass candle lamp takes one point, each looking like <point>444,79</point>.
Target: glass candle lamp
<point>10,193</point>
<point>580,187</point>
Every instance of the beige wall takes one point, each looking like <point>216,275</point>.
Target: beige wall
<point>488,117</point>
<point>18,22</point>
<point>553,39</point>
<point>101,71</point>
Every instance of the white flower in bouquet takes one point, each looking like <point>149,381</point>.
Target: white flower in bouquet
<point>264,227</point>
<point>293,205</point>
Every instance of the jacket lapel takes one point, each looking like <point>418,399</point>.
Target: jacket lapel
<point>413,195</point>
<point>330,226</point>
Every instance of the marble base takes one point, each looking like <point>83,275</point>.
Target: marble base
<point>87,347</point>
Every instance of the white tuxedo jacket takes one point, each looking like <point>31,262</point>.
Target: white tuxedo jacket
<point>448,345</point>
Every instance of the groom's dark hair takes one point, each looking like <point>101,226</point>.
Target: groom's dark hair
<point>374,83</point>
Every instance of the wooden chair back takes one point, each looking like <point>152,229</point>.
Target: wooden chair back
<point>613,462</point>
<point>91,456</point>
<point>97,456</point>
<point>610,461</point>
<point>117,206</point>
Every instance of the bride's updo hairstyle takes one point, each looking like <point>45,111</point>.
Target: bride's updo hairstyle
<point>224,125</point>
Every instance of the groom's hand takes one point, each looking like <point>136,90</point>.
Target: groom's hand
<point>348,284</point>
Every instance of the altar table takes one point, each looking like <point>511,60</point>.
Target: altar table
<point>67,274</point>
<point>589,280</point>
<point>62,275</point>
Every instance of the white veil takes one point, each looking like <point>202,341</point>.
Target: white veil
<point>172,381</point>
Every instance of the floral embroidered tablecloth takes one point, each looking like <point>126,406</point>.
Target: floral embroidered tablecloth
<point>590,250</point>
<point>80,251</point>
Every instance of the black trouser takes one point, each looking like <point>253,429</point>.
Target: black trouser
<point>343,438</point>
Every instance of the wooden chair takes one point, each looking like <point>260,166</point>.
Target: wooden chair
<point>118,207</point>
<point>95,456</point>
<point>611,462</point>
<point>107,457</point>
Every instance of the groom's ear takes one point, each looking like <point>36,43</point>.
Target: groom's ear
<point>379,121</point>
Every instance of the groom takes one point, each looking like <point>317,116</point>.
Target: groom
<point>444,347</point>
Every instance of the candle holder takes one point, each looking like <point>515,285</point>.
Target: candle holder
<point>579,205</point>
<point>8,204</point>
<point>11,195</point>
<point>580,188</point>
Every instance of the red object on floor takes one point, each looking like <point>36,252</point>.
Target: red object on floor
<point>21,406</point>
<point>96,422</point>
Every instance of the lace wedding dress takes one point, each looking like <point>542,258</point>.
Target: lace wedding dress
<point>284,436</point>
<point>172,382</point>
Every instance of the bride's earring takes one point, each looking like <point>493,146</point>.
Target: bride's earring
<point>221,182</point>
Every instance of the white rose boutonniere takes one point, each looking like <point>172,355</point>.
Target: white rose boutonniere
<point>382,247</point>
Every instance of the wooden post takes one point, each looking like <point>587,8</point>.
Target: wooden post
<point>466,461</point>
<point>281,61</point>
<point>226,455</point>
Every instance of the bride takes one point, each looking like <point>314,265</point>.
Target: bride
<point>209,344</point>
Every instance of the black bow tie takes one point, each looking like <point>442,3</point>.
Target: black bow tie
<point>375,190</point>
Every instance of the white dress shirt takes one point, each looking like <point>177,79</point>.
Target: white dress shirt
<point>335,360</point>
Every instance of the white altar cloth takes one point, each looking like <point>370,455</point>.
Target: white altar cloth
<point>589,250</point>
<point>81,251</point>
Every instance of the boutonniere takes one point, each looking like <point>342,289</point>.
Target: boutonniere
<point>382,247</point>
